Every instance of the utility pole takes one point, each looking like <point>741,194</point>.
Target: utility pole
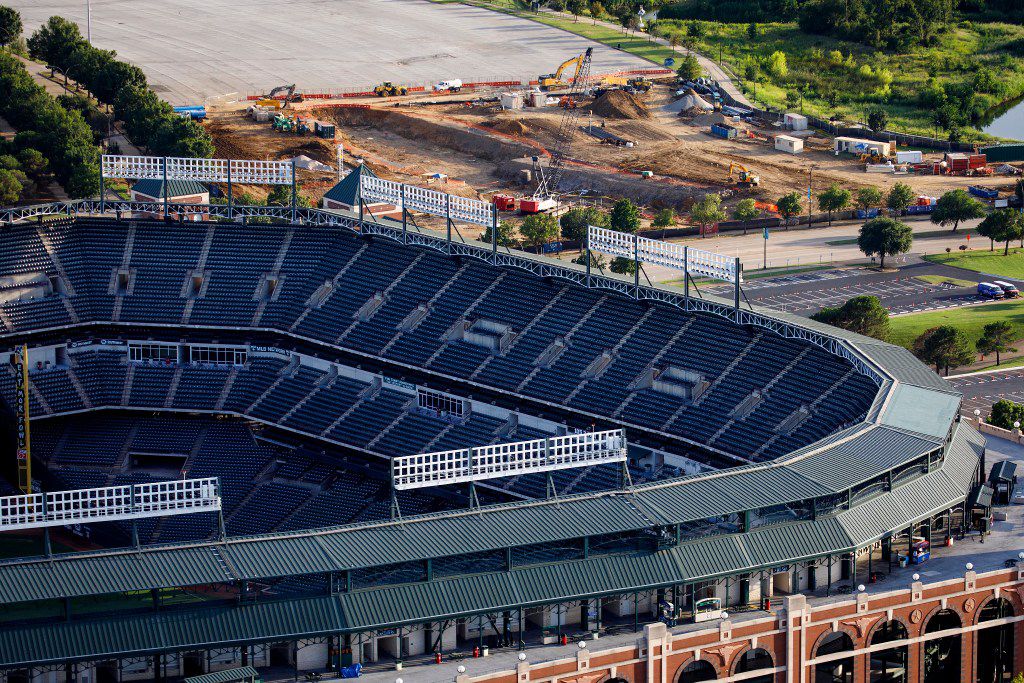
<point>88,21</point>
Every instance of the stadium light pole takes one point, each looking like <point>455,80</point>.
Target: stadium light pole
<point>88,21</point>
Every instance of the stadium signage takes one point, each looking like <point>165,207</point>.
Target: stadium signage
<point>24,453</point>
<point>398,383</point>
<point>414,198</point>
<point>508,459</point>
<point>97,342</point>
<point>269,350</point>
<point>252,172</point>
<point>695,262</point>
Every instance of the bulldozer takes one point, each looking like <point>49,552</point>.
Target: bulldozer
<point>742,176</point>
<point>271,99</point>
<point>639,84</point>
<point>549,81</point>
<point>389,89</point>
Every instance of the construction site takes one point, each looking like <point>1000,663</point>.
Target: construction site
<point>638,134</point>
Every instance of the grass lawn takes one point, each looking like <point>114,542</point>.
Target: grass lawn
<point>970,319</point>
<point>991,262</point>
<point>942,279</point>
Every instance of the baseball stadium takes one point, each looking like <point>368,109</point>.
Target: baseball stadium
<point>286,441</point>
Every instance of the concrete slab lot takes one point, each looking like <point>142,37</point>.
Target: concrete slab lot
<point>197,49</point>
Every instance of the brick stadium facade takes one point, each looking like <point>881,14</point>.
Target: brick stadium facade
<point>900,636</point>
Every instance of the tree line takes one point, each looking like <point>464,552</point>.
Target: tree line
<point>149,121</point>
<point>62,137</point>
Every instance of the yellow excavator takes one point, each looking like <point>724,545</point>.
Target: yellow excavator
<point>272,99</point>
<point>548,81</point>
<point>742,176</point>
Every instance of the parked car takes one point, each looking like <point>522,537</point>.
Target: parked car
<point>988,290</point>
<point>1009,289</point>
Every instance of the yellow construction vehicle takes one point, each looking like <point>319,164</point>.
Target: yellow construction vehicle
<point>873,157</point>
<point>272,99</point>
<point>742,176</point>
<point>639,84</point>
<point>548,81</point>
<point>389,89</point>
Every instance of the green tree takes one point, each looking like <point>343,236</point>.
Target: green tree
<point>746,210</point>
<point>900,197</point>
<point>623,265</point>
<point>664,218</point>
<point>869,197</point>
<point>506,234</point>
<point>689,68</point>
<point>944,347</point>
<point>576,8</point>
<point>707,212</point>
<point>833,199</point>
<point>789,205</point>
<point>9,162</point>
<point>55,41</point>
<point>996,338</point>
<point>625,217</point>
<point>10,188</point>
<point>596,11</point>
<point>776,66</point>
<point>885,237</point>
<point>752,31</point>
<point>597,259</point>
<point>955,206</point>
<point>862,314</point>
<point>878,120</point>
<point>1004,414</point>
<point>33,162</point>
<point>10,25</point>
<point>1002,225</point>
<point>539,228</point>
<point>574,222</point>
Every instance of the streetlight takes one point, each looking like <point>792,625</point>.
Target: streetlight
<point>461,669</point>
<point>916,576</point>
<point>861,588</point>
<point>1020,556</point>
<point>522,656</point>
<point>970,566</point>
<point>582,645</point>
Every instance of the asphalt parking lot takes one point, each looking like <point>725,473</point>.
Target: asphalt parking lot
<point>900,291</point>
<point>981,391</point>
<point>195,49</point>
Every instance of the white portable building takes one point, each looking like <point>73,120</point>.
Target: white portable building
<point>794,121</point>
<point>788,143</point>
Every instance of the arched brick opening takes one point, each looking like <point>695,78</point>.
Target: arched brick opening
<point>696,671</point>
<point>889,665</point>
<point>941,661</point>
<point>995,646</point>
<point>835,669</point>
<point>752,659</point>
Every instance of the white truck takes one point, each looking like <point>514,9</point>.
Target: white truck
<point>451,85</point>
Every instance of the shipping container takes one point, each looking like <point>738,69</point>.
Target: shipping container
<point>983,192</point>
<point>977,161</point>
<point>723,131</point>
<point>909,156</point>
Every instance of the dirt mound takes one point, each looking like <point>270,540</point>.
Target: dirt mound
<point>619,104</point>
<point>318,149</point>
<point>510,126</point>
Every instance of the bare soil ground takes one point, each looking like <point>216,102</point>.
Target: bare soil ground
<point>469,141</point>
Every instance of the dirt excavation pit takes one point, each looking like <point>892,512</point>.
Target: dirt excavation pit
<point>619,104</point>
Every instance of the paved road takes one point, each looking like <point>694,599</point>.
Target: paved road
<point>197,49</point>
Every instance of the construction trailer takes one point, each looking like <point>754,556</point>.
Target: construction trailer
<point>794,121</point>
<point>861,146</point>
<point>909,156</point>
<point>789,144</point>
